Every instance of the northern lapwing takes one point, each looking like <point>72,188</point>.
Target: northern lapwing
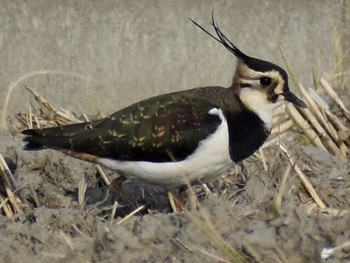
<point>194,134</point>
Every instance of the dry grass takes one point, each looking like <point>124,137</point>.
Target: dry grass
<point>10,201</point>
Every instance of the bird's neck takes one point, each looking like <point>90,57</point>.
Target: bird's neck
<point>247,132</point>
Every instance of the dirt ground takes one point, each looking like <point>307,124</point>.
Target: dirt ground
<point>242,207</point>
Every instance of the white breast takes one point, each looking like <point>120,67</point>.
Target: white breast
<point>211,158</point>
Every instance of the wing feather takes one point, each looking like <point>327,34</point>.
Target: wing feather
<point>157,129</point>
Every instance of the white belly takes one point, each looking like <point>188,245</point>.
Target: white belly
<point>210,159</point>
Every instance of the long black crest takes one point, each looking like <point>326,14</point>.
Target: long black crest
<point>253,63</point>
<point>222,39</point>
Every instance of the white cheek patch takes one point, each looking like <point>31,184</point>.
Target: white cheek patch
<point>257,101</point>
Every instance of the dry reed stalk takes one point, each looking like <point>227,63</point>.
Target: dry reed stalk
<point>50,113</point>
<point>283,127</point>
<point>81,191</point>
<point>279,114</point>
<point>302,123</point>
<point>37,122</point>
<point>343,133</point>
<point>14,201</point>
<point>339,125</point>
<point>207,189</point>
<point>85,117</point>
<point>275,138</point>
<point>308,186</point>
<point>30,119</point>
<point>331,145</point>
<point>10,179</point>
<point>279,119</point>
<point>339,132</point>
<point>330,91</point>
<point>68,240</point>
<point>316,109</point>
<point>311,208</point>
<point>8,182</point>
<point>328,113</point>
<point>314,122</point>
<point>283,187</point>
<point>103,175</point>
<point>344,149</point>
<point>5,206</point>
<point>173,203</point>
<point>280,111</point>
<point>334,148</point>
<point>131,214</point>
<point>324,108</point>
<point>179,242</point>
<point>79,232</point>
<point>263,159</point>
<point>334,212</point>
<point>114,210</point>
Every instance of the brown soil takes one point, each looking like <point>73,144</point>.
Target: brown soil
<point>242,209</point>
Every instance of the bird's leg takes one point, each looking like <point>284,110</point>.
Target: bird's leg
<point>179,200</point>
<point>117,182</point>
<point>117,186</point>
<point>243,175</point>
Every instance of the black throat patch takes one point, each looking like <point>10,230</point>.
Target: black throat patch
<point>247,132</point>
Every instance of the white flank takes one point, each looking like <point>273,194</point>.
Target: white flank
<point>211,158</point>
<point>256,101</point>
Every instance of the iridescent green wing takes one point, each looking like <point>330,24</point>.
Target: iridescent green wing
<point>159,129</point>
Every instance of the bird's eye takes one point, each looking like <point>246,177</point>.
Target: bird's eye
<point>265,81</point>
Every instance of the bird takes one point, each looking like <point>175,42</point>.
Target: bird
<point>183,136</point>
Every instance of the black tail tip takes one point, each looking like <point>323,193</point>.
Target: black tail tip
<point>28,132</point>
<point>31,141</point>
<point>32,146</point>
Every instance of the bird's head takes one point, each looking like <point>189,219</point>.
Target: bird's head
<point>261,85</point>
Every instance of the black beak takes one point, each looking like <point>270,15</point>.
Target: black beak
<point>289,96</point>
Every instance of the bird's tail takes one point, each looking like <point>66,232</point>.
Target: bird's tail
<point>54,137</point>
